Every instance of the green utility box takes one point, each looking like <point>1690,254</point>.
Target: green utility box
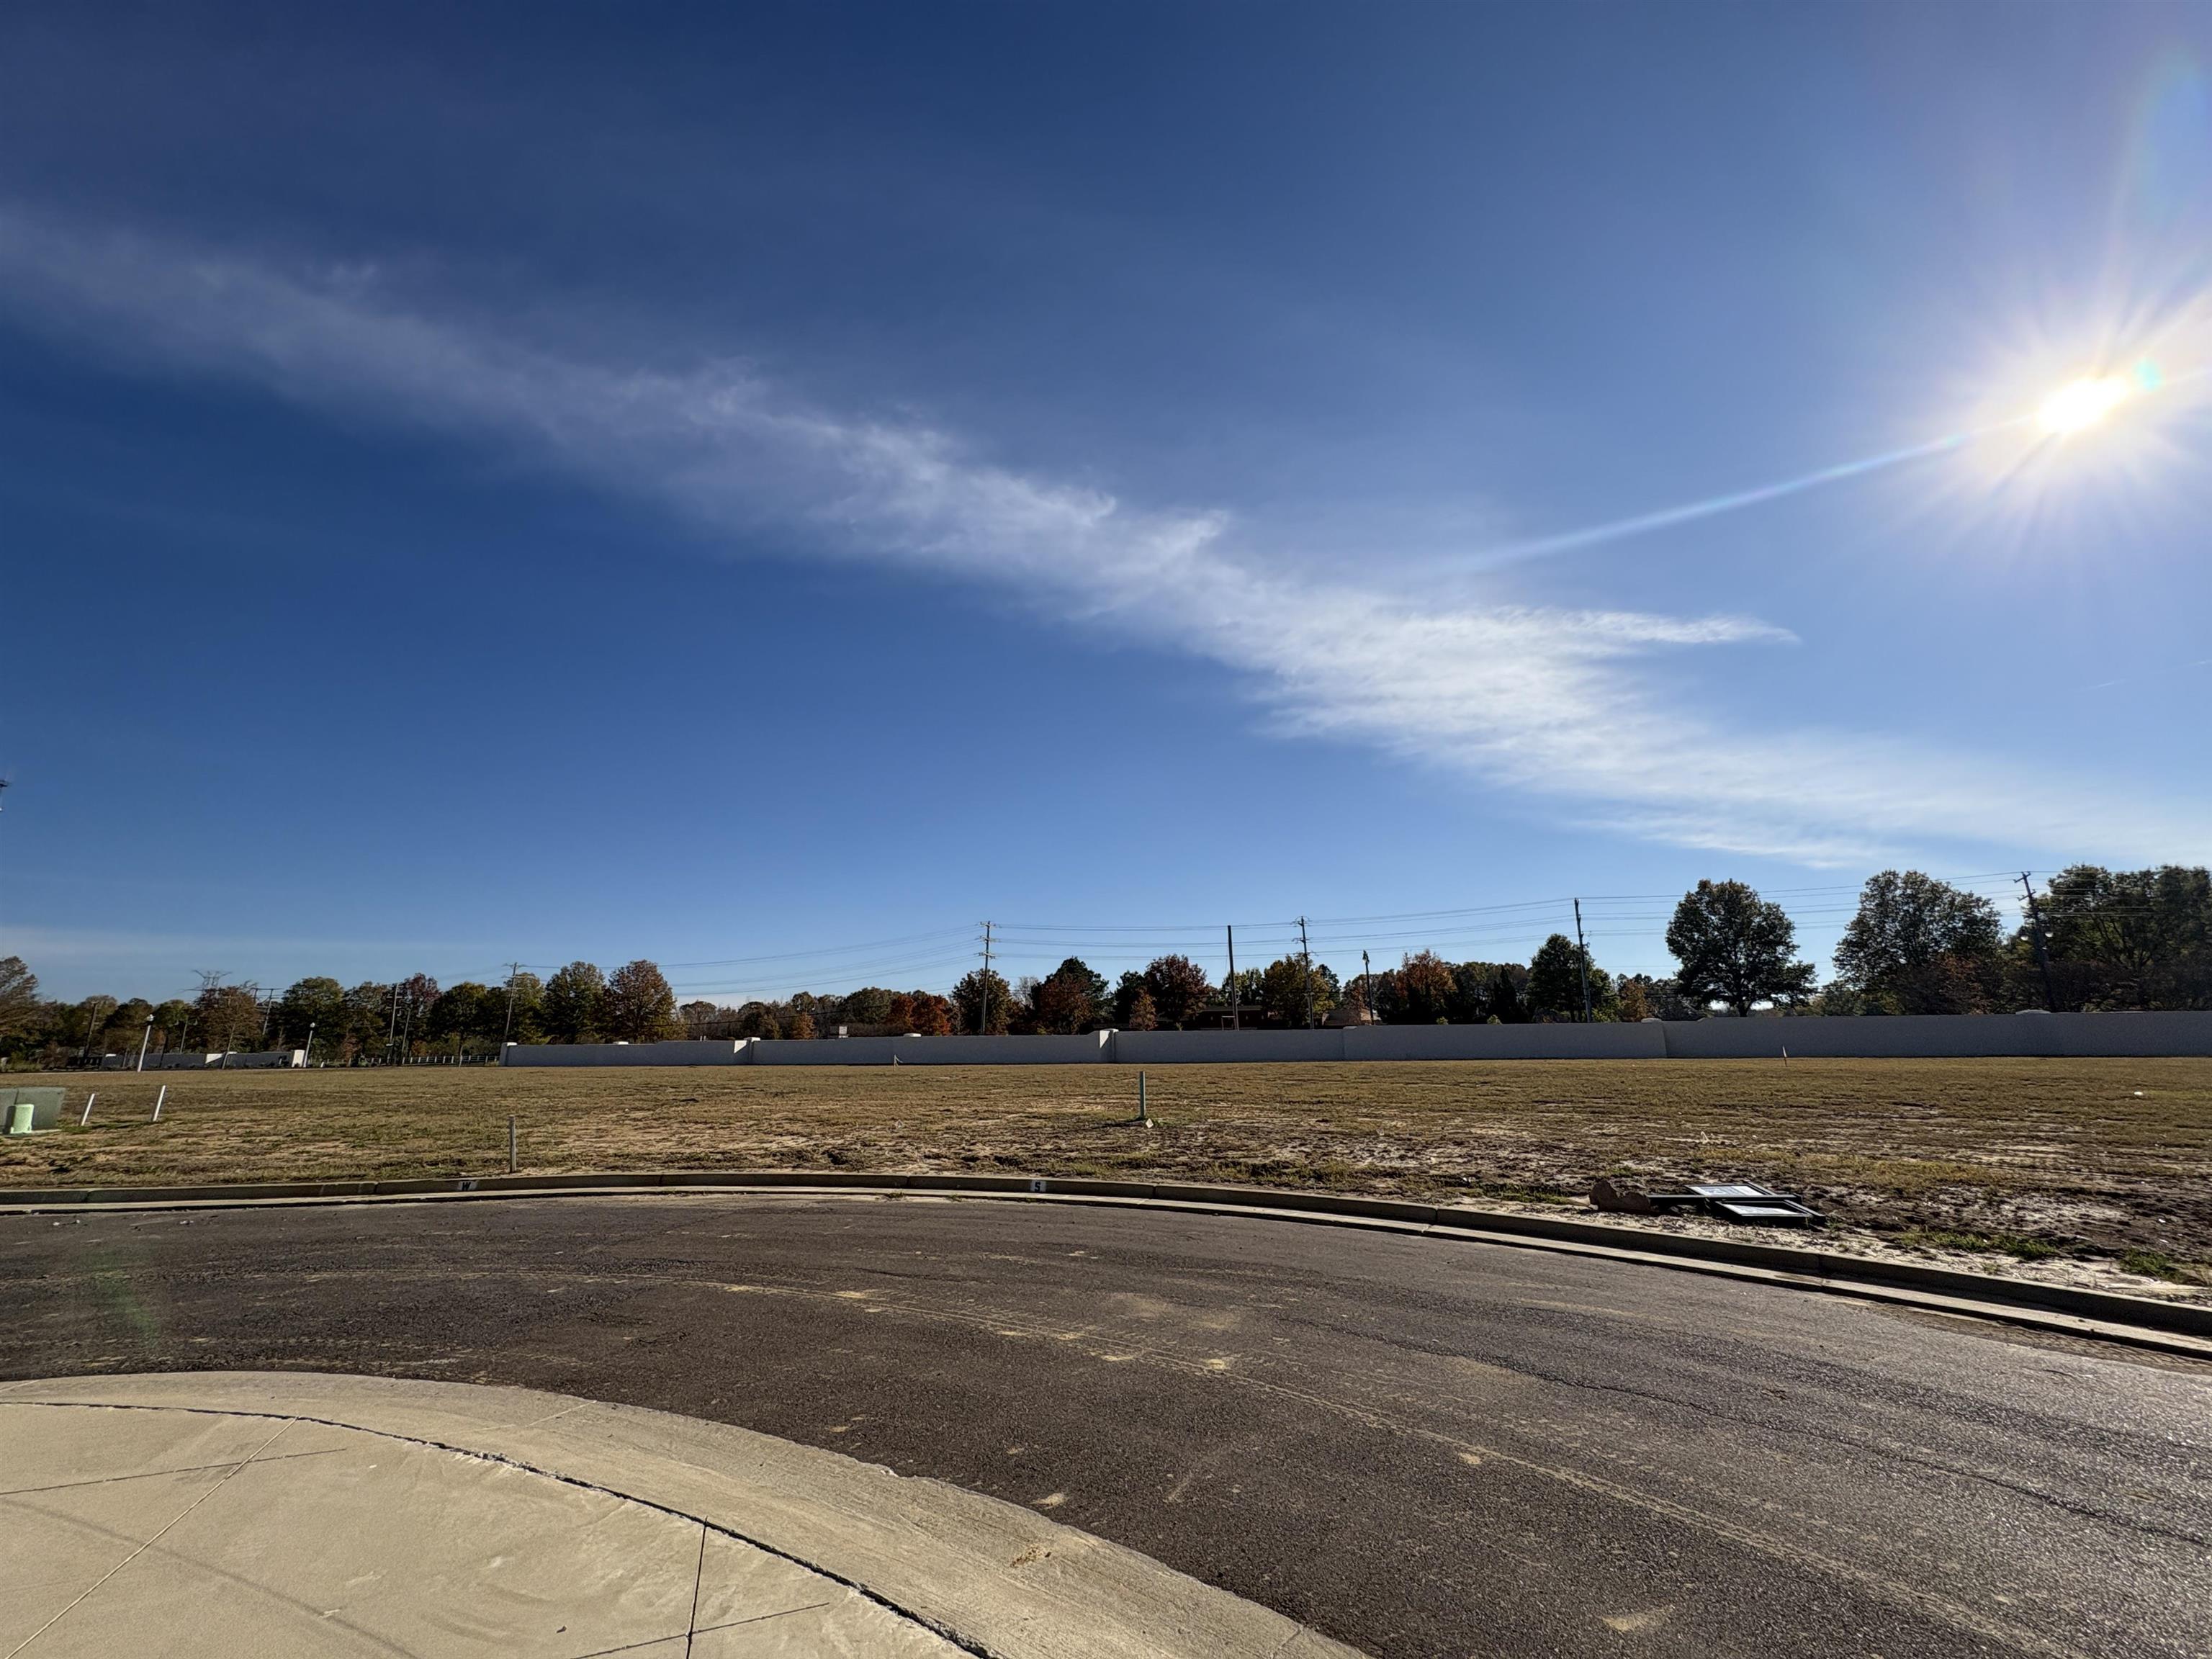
<point>22,1110</point>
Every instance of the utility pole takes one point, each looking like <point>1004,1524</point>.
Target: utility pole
<point>2042,946</point>
<point>210,979</point>
<point>1235,991</point>
<point>983,1018</point>
<point>143,1041</point>
<point>513,970</point>
<point>392,1028</point>
<point>1582,956</point>
<point>1305,960</point>
<point>1366,988</point>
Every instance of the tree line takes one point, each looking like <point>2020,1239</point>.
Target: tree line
<point>2097,939</point>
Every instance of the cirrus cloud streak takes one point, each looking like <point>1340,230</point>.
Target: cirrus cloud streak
<point>1568,705</point>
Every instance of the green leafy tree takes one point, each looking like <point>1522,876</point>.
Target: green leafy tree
<point>1504,1002</point>
<point>227,1017</point>
<point>19,997</point>
<point>368,1012</point>
<point>982,1002</point>
<point>1921,945</point>
<point>1245,990</point>
<point>869,1006</point>
<point>1295,992</point>
<point>316,1004</point>
<point>1125,1000</point>
<point>575,999</point>
<point>459,1015</point>
<point>170,1019</point>
<point>1736,947</point>
<point>522,1008</point>
<point>418,997</point>
<point>1180,988</point>
<point>93,1015</point>
<point>127,1025</point>
<point>2130,938</point>
<point>1473,985</point>
<point>639,1007</point>
<point>1069,999</point>
<point>1555,982</point>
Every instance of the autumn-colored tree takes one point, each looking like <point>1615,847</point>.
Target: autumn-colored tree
<point>1635,1004</point>
<point>639,1007</point>
<point>933,1014</point>
<point>1071,998</point>
<point>1180,987</point>
<point>801,1028</point>
<point>1426,988</point>
<point>1142,1015</point>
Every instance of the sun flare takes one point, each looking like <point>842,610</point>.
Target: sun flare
<point>2082,404</point>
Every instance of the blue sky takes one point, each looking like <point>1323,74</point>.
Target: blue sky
<point>722,483</point>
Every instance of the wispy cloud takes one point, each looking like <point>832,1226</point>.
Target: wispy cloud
<point>1563,704</point>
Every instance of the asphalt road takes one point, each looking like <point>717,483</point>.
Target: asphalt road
<point>1422,1448</point>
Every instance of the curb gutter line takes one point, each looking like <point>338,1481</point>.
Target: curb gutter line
<point>2173,1327</point>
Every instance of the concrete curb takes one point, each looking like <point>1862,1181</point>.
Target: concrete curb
<point>2142,1321</point>
<point>993,1577</point>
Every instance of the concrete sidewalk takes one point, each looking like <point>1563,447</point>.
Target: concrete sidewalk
<point>283,1514</point>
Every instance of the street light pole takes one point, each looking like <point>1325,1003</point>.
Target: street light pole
<point>147,1037</point>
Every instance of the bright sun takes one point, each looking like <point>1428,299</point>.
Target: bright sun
<point>2083,403</point>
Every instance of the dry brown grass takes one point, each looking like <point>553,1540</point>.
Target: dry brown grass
<point>2104,1155</point>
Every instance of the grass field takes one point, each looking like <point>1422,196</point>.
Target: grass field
<point>2102,1162</point>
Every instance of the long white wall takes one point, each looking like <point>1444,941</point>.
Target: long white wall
<point>1924,1037</point>
<point>233,1061</point>
<point>625,1054</point>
